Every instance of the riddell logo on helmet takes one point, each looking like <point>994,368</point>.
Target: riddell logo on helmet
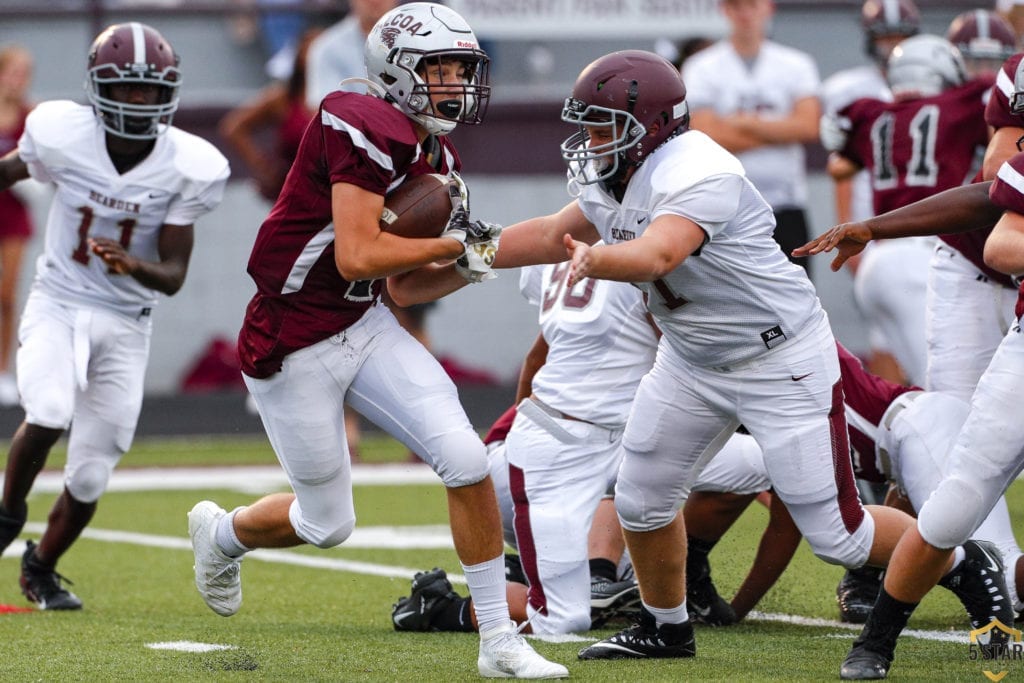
<point>466,44</point>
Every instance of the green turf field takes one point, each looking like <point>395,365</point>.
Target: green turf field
<point>302,623</point>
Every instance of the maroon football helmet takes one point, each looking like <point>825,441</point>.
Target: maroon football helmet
<point>888,18</point>
<point>639,96</point>
<point>133,53</point>
<point>984,38</point>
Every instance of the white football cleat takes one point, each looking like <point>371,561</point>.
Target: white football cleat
<point>217,575</point>
<point>506,654</point>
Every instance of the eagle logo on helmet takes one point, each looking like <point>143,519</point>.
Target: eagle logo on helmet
<point>388,35</point>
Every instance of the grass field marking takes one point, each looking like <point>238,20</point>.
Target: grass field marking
<point>394,572</point>
<point>263,555</point>
<point>189,646</point>
<point>256,479</point>
<point>942,636</point>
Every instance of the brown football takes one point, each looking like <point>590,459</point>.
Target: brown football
<point>419,207</point>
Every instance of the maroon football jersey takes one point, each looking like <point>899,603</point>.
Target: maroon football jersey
<point>501,427</point>
<point>301,297</point>
<point>1006,192</point>
<point>867,398</point>
<point>997,112</point>
<point>997,115</point>
<point>916,148</point>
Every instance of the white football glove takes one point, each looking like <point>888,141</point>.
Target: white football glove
<point>460,201</point>
<point>481,248</point>
<point>833,131</point>
<point>458,227</point>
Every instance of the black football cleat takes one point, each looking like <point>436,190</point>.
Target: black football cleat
<point>645,640</point>
<point>862,664</point>
<point>613,600</point>
<point>42,585</point>
<point>857,592</point>
<point>431,593</point>
<point>980,584</point>
<point>703,602</point>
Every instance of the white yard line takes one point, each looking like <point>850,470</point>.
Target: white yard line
<point>245,479</point>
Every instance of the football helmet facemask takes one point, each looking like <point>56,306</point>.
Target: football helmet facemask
<point>923,66</point>
<point>1017,98</point>
<point>420,36</point>
<point>126,54</point>
<point>639,97</point>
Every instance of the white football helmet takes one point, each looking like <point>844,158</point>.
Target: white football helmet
<point>398,50</point>
<point>923,66</point>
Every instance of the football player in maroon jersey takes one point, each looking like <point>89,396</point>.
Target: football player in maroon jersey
<point>987,455</point>
<point>316,336</point>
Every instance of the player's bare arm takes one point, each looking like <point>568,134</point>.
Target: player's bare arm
<point>539,240</point>
<point>1004,248</point>
<point>801,125</point>
<point>1001,147</point>
<point>841,168</point>
<point>12,169</point>
<point>956,210</point>
<point>723,131</point>
<point>656,253</point>
<point>166,275</point>
<point>363,252</point>
<point>534,361</point>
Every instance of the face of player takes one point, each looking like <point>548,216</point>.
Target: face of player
<point>749,18</point>
<point>884,46</point>
<point>135,94</point>
<point>15,75</point>
<point>448,102</point>
<point>978,68</point>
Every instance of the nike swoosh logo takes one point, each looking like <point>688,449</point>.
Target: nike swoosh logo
<point>400,616</point>
<point>703,611</point>
<point>797,378</point>
<point>641,220</point>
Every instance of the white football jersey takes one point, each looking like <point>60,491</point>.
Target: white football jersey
<point>181,179</point>
<point>719,78</point>
<point>739,295</point>
<point>600,343</point>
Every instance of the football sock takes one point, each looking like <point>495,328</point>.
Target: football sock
<point>602,568</point>
<point>958,557</point>
<point>887,619</point>
<point>486,583</point>
<point>672,615</point>
<point>225,537</point>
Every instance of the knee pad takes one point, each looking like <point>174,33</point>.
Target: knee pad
<point>835,545</point>
<point>635,512</point>
<point>461,459</point>
<point>323,535</point>
<point>951,513</point>
<point>88,481</point>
